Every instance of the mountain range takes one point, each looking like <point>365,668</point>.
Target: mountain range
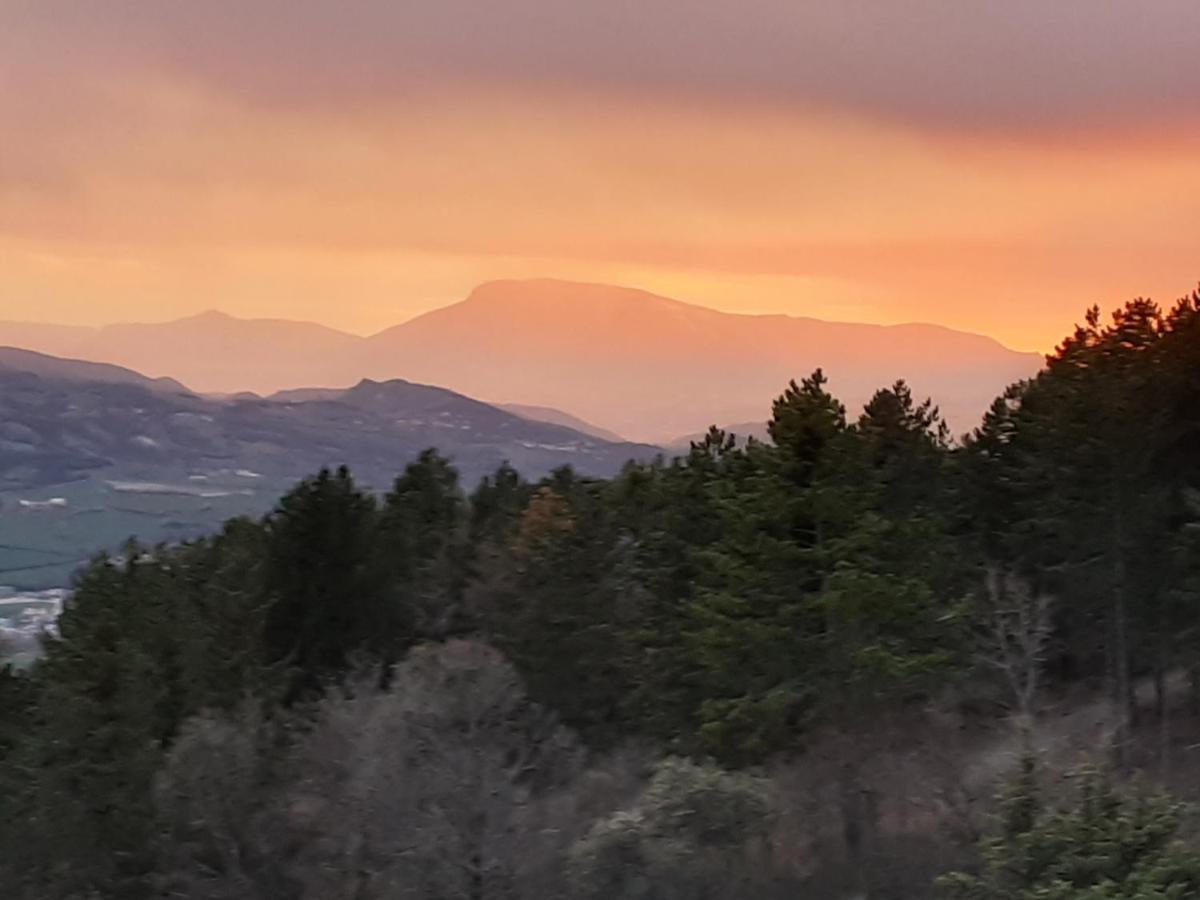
<point>631,362</point>
<point>16,360</point>
<point>93,453</point>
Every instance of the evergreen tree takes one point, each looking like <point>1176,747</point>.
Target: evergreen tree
<point>829,583</point>
<point>1078,482</point>
<point>106,702</point>
<point>1103,846</point>
<point>552,606</point>
<point>420,543</point>
<point>805,419</point>
<point>326,590</point>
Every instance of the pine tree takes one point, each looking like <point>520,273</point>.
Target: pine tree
<point>326,591</point>
<point>106,699</point>
<point>552,605</point>
<point>1103,846</point>
<point>828,586</point>
<point>420,545</point>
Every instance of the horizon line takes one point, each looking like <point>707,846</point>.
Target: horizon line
<point>218,312</point>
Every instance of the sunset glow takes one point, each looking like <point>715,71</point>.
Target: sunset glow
<point>156,164</point>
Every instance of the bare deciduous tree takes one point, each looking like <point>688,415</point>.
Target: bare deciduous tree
<point>441,786</point>
<point>433,789</point>
<point>221,806</point>
<point>1013,633</point>
<point>690,835</point>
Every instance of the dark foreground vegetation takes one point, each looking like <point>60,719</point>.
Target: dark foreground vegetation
<point>767,670</point>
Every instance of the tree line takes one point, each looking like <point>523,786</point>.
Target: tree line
<point>415,694</point>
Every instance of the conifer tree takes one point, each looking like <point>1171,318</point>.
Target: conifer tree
<point>1104,845</point>
<point>420,545</point>
<point>326,590</point>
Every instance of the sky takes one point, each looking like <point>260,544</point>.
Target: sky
<point>993,167</point>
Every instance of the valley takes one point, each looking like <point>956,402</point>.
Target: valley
<point>91,456</point>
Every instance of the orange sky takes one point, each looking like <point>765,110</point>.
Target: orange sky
<point>995,172</point>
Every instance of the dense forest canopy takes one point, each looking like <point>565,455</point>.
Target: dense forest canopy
<point>582,687</point>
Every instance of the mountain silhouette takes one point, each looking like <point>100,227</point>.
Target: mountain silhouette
<point>15,359</point>
<point>653,368</point>
<point>622,360</point>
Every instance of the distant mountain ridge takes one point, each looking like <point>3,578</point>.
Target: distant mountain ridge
<point>87,461</point>
<point>56,423</point>
<point>15,359</point>
<point>654,368</point>
<point>558,417</point>
<point>629,361</point>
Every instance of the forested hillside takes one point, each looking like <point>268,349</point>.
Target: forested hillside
<point>795,668</point>
<point>90,454</point>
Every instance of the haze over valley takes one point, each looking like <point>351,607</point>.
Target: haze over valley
<point>633,363</point>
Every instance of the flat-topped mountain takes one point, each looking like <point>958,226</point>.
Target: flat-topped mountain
<point>653,367</point>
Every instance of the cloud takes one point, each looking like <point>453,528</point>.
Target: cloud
<point>993,165</point>
<point>966,64</point>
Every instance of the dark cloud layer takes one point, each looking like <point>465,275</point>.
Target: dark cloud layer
<point>945,63</point>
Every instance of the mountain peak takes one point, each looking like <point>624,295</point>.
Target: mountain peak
<point>650,367</point>
<point>531,292</point>
<point>629,360</point>
<point>209,315</point>
<point>382,384</point>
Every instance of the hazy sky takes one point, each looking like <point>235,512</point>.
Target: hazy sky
<point>993,166</point>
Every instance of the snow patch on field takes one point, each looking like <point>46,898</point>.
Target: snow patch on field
<point>52,503</point>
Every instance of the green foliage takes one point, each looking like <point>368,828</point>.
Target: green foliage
<point>16,705</point>
<point>725,603</point>
<point>107,695</point>
<point>325,586</point>
<point>1104,845</point>
<point>805,420</point>
<point>551,601</point>
<point>421,549</point>
<point>829,586</point>
<point>1078,480</point>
